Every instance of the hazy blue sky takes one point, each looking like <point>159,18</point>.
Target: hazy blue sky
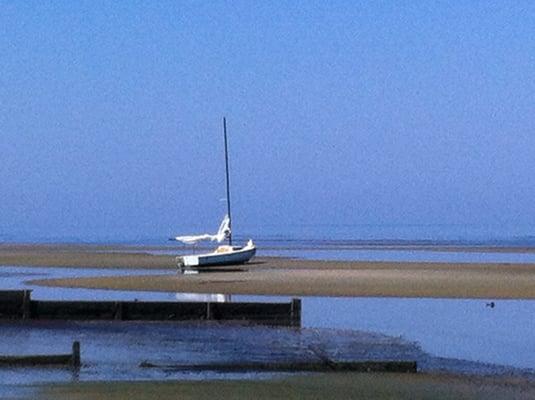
<point>338,112</point>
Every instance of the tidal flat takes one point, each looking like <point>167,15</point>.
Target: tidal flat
<point>317,386</point>
<point>433,311</point>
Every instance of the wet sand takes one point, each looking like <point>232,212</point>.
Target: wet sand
<point>281,276</point>
<point>81,256</point>
<point>318,386</point>
<point>328,279</point>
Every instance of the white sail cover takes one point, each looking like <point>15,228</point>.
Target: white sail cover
<point>222,234</point>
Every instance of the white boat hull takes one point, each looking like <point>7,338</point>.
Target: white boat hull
<point>232,256</point>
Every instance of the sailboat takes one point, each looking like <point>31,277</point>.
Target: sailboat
<point>223,254</point>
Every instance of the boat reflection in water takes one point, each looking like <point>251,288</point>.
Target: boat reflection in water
<point>203,297</point>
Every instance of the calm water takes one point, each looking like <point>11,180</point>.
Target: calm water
<point>298,234</point>
<point>116,350</point>
<point>465,329</point>
<point>18,277</point>
<point>406,255</point>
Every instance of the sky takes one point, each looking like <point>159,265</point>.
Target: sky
<point>339,113</point>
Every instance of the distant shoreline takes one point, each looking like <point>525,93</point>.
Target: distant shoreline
<point>282,276</point>
<point>316,246</point>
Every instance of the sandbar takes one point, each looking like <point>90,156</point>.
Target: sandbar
<point>283,276</point>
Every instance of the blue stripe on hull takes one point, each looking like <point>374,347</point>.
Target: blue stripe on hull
<point>240,257</point>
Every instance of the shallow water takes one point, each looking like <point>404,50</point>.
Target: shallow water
<point>407,256</point>
<point>453,328</point>
<point>341,250</point>
<point>457,328</point>
<point>17,278</point>
<point>336,253</point>
<point>116,350</point>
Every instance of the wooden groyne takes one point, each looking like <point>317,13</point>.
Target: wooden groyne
<point>310,366</point>
<point>19,305</point>
<point>72,359</point>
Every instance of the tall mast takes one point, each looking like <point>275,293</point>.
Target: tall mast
<point>228,181</point>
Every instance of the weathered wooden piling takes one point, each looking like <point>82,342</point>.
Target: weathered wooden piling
<point>118,311</point>
<point>76,354</point>
<point>32,360</point>
<point>295,312</point>
<point>306,366</point>
<point>208,311</point>
<point>19,305</point>
<point>26,304</point>
<point>11,304</point>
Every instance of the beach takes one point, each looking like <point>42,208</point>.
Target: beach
<point>282,276</point>
<point>317,386</point>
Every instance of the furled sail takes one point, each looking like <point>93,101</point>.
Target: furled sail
<point>222,234</point>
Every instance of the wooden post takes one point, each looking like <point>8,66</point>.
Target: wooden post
<point>118,314</point>
<point>26,304</point>
<point>295,312</point>
<point>208,311</point>
<point>76,354</point>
